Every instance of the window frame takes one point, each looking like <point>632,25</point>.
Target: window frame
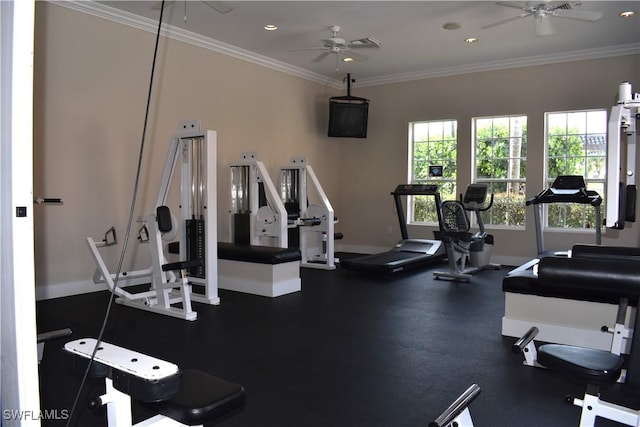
<point>600,182</point>
<point>521,182</point>
<point>449,181</point>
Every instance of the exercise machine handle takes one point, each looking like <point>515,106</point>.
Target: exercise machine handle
<point>47,200</point>
<point>456,408</point>
<point>520,345</point>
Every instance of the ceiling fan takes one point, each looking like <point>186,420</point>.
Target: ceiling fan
<point>219,6</point>
<point>543,11</point>
<point>341,48</point>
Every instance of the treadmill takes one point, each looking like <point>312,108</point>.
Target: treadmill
<point>407,254</point>
<point>565,189</point>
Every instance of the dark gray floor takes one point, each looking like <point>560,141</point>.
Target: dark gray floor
<point>349,350</point>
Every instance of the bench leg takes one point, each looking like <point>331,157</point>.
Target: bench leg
<point>593,407</point>
<point>119,410</point>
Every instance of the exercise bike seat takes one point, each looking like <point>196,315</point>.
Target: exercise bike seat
<point>595,367</point>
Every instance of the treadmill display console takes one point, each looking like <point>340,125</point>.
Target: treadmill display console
<point>415,190</point>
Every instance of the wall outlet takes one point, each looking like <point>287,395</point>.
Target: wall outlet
<point>389,229</point>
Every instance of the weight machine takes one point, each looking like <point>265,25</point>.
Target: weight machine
<point>314,223</point>
<point>196,233</point>
<point>621,188</point>
<point>257,215</point>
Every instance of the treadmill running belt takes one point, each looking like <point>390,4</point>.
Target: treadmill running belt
<point>389,262</point>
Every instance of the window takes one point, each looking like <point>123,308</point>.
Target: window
<point>432,143</point>
<point>500,161</point>
<point>576,144</point>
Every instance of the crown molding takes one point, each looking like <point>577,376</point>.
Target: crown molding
<point>101,10</point>
<point>119,16</point>
<point>578,55</point>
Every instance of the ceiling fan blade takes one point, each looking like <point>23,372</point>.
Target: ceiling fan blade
<point>219,6</point>
<point>504,21</point>
<point>320,57</point>
<point>580,15</point>
<point>542,26</point>
<point>300,49</point>
<point>516,5</point>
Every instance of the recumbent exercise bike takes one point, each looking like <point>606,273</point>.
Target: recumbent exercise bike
<point>467,253</point>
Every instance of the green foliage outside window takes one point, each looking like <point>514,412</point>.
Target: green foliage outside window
<point>501,162</point>
<point>576,145</point>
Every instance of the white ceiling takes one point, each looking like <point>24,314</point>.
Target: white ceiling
<point>414,42</point>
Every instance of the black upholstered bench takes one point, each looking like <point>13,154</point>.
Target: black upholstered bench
<point>593,367</point>
<point>566,314</point>
<point>260,270</point>
<point>257,254</point>
<point>181,397</point>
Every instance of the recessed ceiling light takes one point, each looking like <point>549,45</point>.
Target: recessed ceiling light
<point>627,14</point>
<point>270,27</point>
<point>471,39</point>
<point>451,26</point>
<point>347,59</point>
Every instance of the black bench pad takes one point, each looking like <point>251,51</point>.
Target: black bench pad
<point>592,366</point>
<point>603,280</point>
<point>257,254</point>
<point>203,398</point>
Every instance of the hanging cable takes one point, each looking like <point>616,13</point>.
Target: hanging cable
<point>134,198</point>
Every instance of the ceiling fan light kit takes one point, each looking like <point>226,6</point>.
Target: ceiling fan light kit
<point>342,49</point>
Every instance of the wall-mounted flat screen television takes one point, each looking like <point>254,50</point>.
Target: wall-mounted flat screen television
<point>348,117</point>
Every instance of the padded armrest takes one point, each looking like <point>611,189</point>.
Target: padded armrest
<point>610,276</point>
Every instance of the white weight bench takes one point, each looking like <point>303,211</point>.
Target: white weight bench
<point>181,397</point>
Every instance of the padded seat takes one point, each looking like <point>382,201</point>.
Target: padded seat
<point>203,398</point>
<point>595,367</point>
<point>257,254</point>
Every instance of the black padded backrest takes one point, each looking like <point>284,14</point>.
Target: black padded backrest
<point>163,215</point>
<point>454,217</point>
<point>608,252</point>
<point>611,276</point>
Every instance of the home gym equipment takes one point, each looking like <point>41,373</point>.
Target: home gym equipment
<point>596,276</point>
<point>565,189</point>
<point>408,253</point>
<point>594,367</point>
<point>466,253</point>
<point>181,397</point>
<point>458,414</point>
<point>311,225</point>
<point>257,215</point>
<point>569,316</point>
<point>258,270</point>
<point>621,150</point>
<point>170,293</point>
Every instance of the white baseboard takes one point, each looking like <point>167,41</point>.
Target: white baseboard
<point>59,290</point>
